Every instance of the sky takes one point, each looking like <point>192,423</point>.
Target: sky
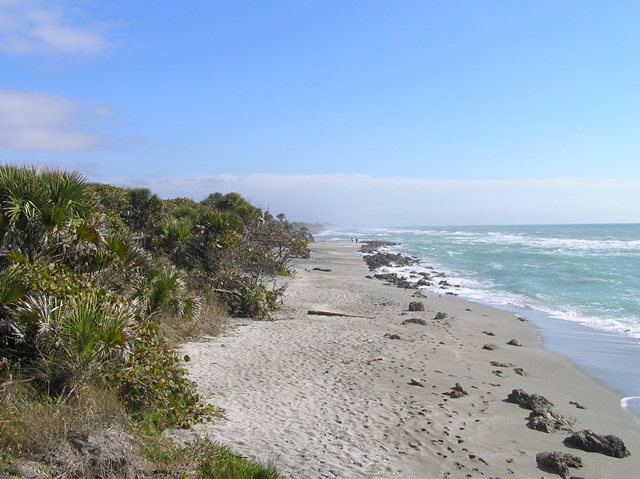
<point>381,113</point>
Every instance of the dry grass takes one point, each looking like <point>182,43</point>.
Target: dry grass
<point>212,320</point>
<point>32,424</point>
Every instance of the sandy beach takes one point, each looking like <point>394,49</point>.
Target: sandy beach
<point>366,396</point>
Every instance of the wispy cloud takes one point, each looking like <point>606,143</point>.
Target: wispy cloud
<point>28,26</point>
<point>37,121</point>
<point>362,199</point>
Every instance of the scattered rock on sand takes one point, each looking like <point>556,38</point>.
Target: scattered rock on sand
<point>419,294</point>
<point>559,461</point>
<point>488,333</point>
<point>490,346</point>
<point>415,321</point>
<point>591,442</point>
<point>515,342</point>
<point>498,372</point>
<point>577,405</point>
<point>529,401</point>
<point>547,420</point>
<point>459,390</point>
<point>416,306</point>
<point>520,371</point>
<point>416,382</point>
<point>392,336</point>
<point>440,315</point>
<point>498,364</point>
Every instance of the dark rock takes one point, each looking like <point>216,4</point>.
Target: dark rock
<point>489,333</point>
<point>418,294</point>
<point>520,371</point>
<point>419,321</point>
<point>458,388</point>
<point>381,259</point>
<point>548,421</point>
<point>392,336</point>
<point>591,442</point>
<point>498,364</point>
<point>577,405</point>
<point>416,382</point>
<point>534,402</point>
<point>416,306</point>
<point>490,347</point>
<point>370,247</point>
<point>498,372</point>
<point>514,342</point>
<point>559,461</point>
<point>440,315</point>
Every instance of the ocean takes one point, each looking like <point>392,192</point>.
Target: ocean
<point>579,284</point>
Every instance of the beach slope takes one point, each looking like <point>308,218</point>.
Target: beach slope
<point>369,395</point>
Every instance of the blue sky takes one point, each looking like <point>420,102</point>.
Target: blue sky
<point>348,112</point>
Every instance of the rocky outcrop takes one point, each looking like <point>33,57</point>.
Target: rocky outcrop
<point>542,417</point>
<point>559,461</point>
<point>529,401</point>
<point>591,442</point>
<point>371,247</point>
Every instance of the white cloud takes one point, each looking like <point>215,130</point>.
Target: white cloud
<point>37,121</point>
<point>363,200</point>
<point>27,26</point>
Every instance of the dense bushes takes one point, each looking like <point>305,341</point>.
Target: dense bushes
<point>89,273</point>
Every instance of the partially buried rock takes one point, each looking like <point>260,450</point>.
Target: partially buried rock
<point>415,321</point>
<point>559,461</point>
<point>591,442</point>
<point>490,346</point>
<point>458,388</point>
<point>520,371</point>
<point>514,342</point>
<point>392,336</point>
<point>416,382</point>
<point>440,315</point>
<point>419,294</point>
<point>498,364</point>
<point>489,333</point>
<point>547,420</point>
<point>529,401</point>
<point>416,306</point>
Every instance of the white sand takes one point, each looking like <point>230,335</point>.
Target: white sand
<point>330,396</point>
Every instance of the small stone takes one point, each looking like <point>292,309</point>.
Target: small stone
<point>416,382</point>
<point>514,342</point>
<point>440,315</point>
<point>520,371</point>
<point>490,346</point>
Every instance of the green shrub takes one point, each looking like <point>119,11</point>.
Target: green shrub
<point>154,386</point>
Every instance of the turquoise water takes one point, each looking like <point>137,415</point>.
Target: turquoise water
<point>579,283</point>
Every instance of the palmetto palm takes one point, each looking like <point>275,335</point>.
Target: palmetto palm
<point>47,214</point>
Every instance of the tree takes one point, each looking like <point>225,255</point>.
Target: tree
<point>281,217</point>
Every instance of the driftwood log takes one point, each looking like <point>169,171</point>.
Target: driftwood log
<point>330,313</point>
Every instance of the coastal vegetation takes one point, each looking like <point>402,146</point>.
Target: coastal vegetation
<point>98,286</point>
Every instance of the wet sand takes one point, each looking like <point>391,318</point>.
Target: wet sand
<point>328,396</point>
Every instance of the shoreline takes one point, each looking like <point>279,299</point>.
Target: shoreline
<point>332,396</point>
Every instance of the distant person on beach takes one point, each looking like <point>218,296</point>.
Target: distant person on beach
<point>356,240</point>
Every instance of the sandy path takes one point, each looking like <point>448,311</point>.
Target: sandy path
<point>331,396</point>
